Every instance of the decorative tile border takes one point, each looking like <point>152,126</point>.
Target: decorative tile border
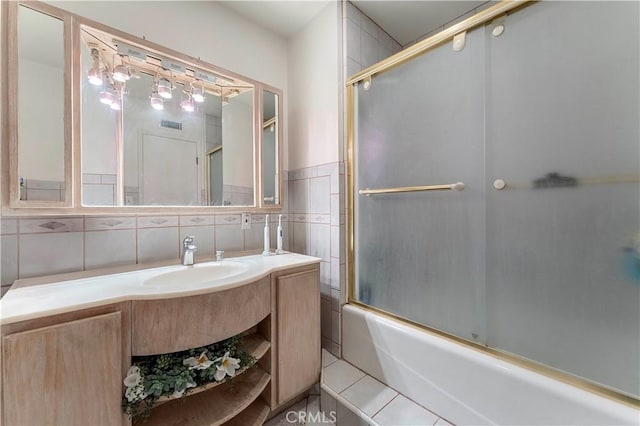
<point>157,221</point>
<point>197,220</point>
<point>109,223</point>
<point>228,219</point>
<point>51,224</point>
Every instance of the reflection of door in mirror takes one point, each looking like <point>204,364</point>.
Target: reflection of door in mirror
<point>237,140</point>
<point>167,171</point>
<point>214,177</point>
<point>270,148</point>
<point>41,105</point>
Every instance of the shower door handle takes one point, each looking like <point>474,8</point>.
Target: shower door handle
<point>458,186</point>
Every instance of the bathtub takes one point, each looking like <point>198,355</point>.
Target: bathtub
<point>464,385</point>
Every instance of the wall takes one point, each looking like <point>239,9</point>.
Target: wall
<point>316,177</point>
<point>314,85</point>
<point>37,246</point>
<point>319,59</point>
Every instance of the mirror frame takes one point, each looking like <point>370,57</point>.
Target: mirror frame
<point>11,203</point>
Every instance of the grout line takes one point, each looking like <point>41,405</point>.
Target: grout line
<point>352,384</point>
<point>385,405</point>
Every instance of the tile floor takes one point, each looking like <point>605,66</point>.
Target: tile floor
<point>349,397</point>
<point>369,401</point>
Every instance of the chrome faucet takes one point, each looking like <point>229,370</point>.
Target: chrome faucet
<point>188,248</point>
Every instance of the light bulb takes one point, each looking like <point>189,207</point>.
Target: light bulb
<point>121,73</point>
<point>156,101</point>
<point>106,97</point>
<point>164,88</point>
<point>198,94</point>
<point>94,76</point>
<point>187,105</point>
<point>116,104</point>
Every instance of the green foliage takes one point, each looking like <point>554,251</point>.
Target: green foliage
<point>166,374</point>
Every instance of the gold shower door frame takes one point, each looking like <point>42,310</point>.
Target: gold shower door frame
<point>487,15</point>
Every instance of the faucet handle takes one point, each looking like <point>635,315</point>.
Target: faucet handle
<point>188,241</point>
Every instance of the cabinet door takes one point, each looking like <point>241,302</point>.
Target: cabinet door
<point>66,374</point>
<point>298,312</point>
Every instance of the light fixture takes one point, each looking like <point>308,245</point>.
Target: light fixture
<point>121,72</point>
<point>116,104</point>
<point>197,92</point>
<point>94,75</point>
<point>106,97</point>
<point>187,104</point>
<point>164,88</point>
<point>156,101</point>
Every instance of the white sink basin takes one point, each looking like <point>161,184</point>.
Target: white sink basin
<point>197,274</point>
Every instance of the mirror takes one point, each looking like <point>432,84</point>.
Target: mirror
<point>148,126</point>
<point>41,107</point>
<point>167,135</point>
<point>270,136</point>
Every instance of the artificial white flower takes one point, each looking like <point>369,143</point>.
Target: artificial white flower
<point>227,366</point>
<point>135,393</point>
<point>200,363</point>
<point>133,377</point>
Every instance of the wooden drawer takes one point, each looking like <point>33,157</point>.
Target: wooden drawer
<point>171,325</point>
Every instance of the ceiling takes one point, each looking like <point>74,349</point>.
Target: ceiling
<point>404,20</point>
<point>283,17</point>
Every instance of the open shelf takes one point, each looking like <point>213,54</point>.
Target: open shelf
<point>254,415</point>
<point>214,407</point>
<point>255,345</point>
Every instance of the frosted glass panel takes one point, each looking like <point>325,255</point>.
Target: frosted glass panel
<point>547,268</point>
<point>420,254</point>
<point>559,286</point>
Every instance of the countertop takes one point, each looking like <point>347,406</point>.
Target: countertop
<point>56,294</point>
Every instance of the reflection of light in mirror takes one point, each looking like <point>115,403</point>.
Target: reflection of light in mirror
<point>197,93</point>
<point>187,103</point>
<point>116,104</point>
<point>164,88</point>
<point>157,102</point>
<point>95,74</point>
<point>106,97</point>
<point>121,73</point>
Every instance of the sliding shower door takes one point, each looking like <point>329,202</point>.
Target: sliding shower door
<point>539,255</point>
<point>420,255</point>
<point>562,132</point>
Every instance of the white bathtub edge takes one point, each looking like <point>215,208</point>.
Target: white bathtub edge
<point>465,385</point>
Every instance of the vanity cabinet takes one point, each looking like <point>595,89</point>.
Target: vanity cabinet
<point>172,325</point>
<point>68,369</point>
<point>298,331</point>
<point>65,369</point>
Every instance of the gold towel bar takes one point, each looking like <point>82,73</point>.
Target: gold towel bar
<point>458,186</point>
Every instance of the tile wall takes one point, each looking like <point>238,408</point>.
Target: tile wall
<point>41,190</point>
<point>33,246</point>
<point>317,228</point>
<point>366,43</point>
